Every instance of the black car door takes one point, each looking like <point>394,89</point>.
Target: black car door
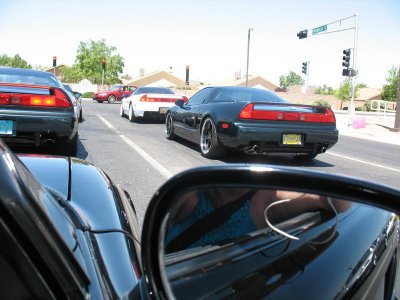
<point>192,113</point>
<point>187,118</point>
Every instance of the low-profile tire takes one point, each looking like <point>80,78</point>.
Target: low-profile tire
<point>131,114</point>
<point>68,148</point>
<point>305,157</point>
<point>121,112</point>
<point>210,146</point>
<point>80,119</point>
<point>111,99</point>
<point>100,101</point>
<point>169,132</point>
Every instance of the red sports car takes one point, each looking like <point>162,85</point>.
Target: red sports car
<point>114,93</point>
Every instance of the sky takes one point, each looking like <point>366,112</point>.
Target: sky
<point>210,35</point>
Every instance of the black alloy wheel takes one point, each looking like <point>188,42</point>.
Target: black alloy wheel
<point>169,134</point>
<point>210,147</point>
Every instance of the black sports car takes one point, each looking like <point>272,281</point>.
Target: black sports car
<point>68,232</point>
<point>251,120</point>
<point>36,110</point>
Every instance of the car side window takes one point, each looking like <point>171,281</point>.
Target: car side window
<point>200,97</point>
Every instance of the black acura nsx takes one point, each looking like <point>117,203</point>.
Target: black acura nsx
<point>251,120</point>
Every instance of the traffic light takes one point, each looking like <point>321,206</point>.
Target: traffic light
<point>103,63</point>
<point>302,34</point>
<point>54,61</point>
<point>304,68</point>
<point>187,74</point>
<point>346,58</point>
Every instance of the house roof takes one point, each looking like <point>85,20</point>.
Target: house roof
<point>369,94</point>
<point>158,76</point>
<point>253,81</point>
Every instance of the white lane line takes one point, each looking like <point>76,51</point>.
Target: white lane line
<point>363,162</point>
<point>155,164</point>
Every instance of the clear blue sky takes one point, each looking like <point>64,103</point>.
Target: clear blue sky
<point>210,36</point>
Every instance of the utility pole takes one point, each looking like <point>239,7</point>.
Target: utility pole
<point>397,117</point>
<point>248,54</point>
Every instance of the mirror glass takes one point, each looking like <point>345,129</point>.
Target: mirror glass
<point>77,95</point>
<point>247,243</point>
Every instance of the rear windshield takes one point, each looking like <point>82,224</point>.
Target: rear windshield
<point>30,79</point>
<point>153,90</point>
<point>239,94</point>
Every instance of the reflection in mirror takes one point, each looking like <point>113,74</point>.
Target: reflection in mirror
<point>244,243</point>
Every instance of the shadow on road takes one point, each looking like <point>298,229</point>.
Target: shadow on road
<point>240,157</point>
<point>47,150</point>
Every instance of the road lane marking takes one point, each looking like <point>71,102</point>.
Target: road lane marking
<point>155,164</point>
<point>363,162</point>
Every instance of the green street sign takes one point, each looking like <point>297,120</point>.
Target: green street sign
<point>319,29</point>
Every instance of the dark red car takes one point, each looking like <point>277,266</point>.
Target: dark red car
<point>114,93</point>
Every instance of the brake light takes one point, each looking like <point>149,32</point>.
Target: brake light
<point>57,99</point>
<point>185,99</point>
<point>248,113</point>
<point>146,98</point>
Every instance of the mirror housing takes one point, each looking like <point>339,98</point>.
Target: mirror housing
<point>77,95</point>
<point>180,103</point>
<point>245,176</point>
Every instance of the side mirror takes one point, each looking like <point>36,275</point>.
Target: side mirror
<point>260,231</point>
<point>77,95</point>
<point>179,103</point>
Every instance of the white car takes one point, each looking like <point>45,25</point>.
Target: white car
<point>149,102</point>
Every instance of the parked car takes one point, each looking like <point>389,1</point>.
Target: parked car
<point>114,93</point>
<point>36,110</point>
<point>251,120</point>
<point>77,102</point>
<point>149,102</point>
<point>68,231</point>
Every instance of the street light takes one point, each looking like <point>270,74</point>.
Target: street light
<point>248,50</point>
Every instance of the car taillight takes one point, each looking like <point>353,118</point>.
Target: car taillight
<point>57,98</point>
<point>146,98</point>
<point>248,113</point>
<point>185,99</point>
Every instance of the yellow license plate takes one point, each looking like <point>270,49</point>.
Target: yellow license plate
<point>292,139</point>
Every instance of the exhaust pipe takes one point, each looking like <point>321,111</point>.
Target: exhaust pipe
<point>48,142</point>
<point>253,149</point>
<point>323,150</point>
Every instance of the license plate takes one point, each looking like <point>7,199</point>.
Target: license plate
<point>163,110</point>
<point>291,139</point>
<point>6,127</point>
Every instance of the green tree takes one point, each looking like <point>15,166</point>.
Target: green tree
<point>88,63</point>
<point>389,90</point>
<point>291,79</point>
<point>344,91</point>
<point>15,62</point>
<point>324,90</point>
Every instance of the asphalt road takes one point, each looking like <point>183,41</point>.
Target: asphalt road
<point>115,150</point>
<point>139,158</point>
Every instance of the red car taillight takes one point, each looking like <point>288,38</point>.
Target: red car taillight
<point>248,113</point>
<point>57,98</point>
<point>146,98</point>
<point>185,99</point>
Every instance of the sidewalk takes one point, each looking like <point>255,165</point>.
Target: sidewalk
<point>377,127</point>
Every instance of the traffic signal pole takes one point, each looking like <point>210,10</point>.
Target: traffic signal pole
<point>324,30</point>
<point>353,78</point>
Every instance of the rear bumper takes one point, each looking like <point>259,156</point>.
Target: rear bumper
<point>269,138</point>
<point>151,110</point>
<point>37,127</point>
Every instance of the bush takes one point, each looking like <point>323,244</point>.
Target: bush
<point>323,103</point>
<point>87,95</point>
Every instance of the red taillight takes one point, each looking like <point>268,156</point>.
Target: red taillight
<point>146,98</point>
<point>57,99</point>
<point>248,113</point>
<point>185,99</point>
